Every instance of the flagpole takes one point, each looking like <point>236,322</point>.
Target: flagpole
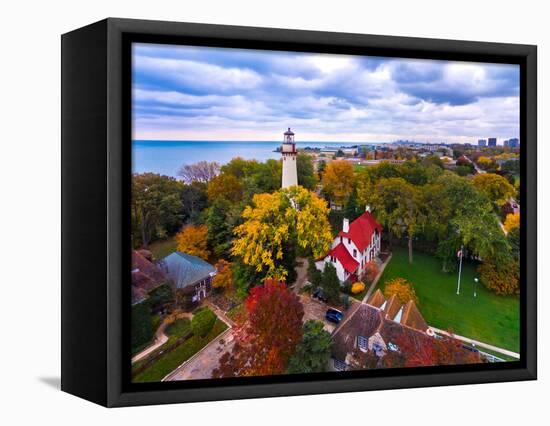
<point>459,269</point>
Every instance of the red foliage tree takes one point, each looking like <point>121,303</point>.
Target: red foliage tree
<point>265,341</point>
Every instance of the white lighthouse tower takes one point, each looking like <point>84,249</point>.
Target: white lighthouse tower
<point>288,151</point>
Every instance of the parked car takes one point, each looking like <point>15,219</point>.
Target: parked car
<point>334,315</point>
<point>320,295</point>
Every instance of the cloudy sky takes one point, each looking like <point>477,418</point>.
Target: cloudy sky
<point>204,93</point>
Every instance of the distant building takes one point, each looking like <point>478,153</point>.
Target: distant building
<point>513,143</point>
<point>492,142</point>
<point>482,142</point>
<point>190,275</point>
<point>288,152</point>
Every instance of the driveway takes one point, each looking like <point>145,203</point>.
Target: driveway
<point>315,310</point>
<point>203,363</point>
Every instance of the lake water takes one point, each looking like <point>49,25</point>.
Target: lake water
<point>166,157</point>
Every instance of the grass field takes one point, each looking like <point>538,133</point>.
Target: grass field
<point>173,359</point>
<point>488,317</point>
<point>163,248</point>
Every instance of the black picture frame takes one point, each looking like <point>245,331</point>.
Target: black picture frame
<point>96,132</point>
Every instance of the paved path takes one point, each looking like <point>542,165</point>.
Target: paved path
<point>301,274</point>
<point>160,339</point>
<point>375,281</point>
<point>477,343</point>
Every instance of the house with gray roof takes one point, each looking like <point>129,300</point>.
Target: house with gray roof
<point>190,275</point>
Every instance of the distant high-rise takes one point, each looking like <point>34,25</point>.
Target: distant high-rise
<point>513,143</point>
<point>492,141</point>
<point>481,142</point>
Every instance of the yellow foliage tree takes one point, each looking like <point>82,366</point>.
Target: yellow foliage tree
<point>401,288</point>
<point>511,222</point>
<point>357,287</point>
<point>225,186</point>
<point>495,187</point>
<point>338,180</point>
<point>290,215</point>
<point>224,276</point>
<point>192,240</point>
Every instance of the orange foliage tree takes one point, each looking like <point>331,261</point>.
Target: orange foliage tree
<point>192,240</point>
<point>502,278</point>
<point>401,288</point>
<point>225,186</point>
<point>267,339</point>
<point>371,271</point>
<point>511,222</point>
<point>223,279</point>
<point>338,180</point>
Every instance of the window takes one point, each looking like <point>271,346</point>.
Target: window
<point>362,343</point>
<point>393,347</point>
<point>354,253</point>
<point>340,365</point>
<point>349,240</point>
<point>341,239</point>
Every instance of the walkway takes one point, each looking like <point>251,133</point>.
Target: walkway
<point>301,274</point>
<point>477,343</point>
<point>160,339</point>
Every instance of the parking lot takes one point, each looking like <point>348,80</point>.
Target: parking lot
<point>315,310</point>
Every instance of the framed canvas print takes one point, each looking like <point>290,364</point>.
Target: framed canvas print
<point>253,212</point>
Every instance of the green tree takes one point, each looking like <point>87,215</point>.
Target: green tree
<point>315,276</point>
<point>202,322</point>
<point>397,206</point>
<point>142,326</point>
<point>330,283</point>
<point>194,201</point>
<point>313,352</point>
<point>220,227</point>
<point>306,171</point>
<point>495,187</point>
<point>156,207</point>
<point>352,210</point>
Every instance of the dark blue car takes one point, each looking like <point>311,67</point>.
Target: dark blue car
<point>333,315</point>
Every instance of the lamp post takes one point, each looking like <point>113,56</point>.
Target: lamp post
<point>459,269</point>
<point>475,286</point>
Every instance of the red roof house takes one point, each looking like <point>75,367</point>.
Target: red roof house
<point>357,244</point>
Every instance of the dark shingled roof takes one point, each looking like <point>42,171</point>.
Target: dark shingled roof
<point>185,270</point>
<point>392,307</point>
<point>412,317</point>
<point>364,322</point>
<point>145,275</point>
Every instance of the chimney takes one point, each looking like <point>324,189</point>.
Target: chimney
<point>345,227</point>
<point>367,208</point>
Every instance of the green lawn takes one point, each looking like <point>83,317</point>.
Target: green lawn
<point>179,327</point>
<point>173,359</point>
<point>488,318</point>
<point>163,248</point>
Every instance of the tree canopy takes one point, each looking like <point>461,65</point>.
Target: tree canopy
<point>192,239</point>
<point>291,215</point>
<point>313,352</point>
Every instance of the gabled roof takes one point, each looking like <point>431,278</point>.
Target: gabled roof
<point>141,263</point>
<point>364,322</point>
<point>361,230</point>
<point>145,276</point>
<point>377,299</point>
<point>412,317</point>
<point>392,307</point>
<point>185,270</point>
<point>348,262</point>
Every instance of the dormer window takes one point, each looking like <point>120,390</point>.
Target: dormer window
<point>349,240</point>
<point>363,343</point>
<point>354,253</point>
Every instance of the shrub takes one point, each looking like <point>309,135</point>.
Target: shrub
<point>346,302</point>
<point>357,287</point>
<point>142,327</point>
<point>511,222</point>
<point>401,288</point>
<point>502,278</point>
<point>160,296</point>
<point>202,322</point>
<point>371,271</point>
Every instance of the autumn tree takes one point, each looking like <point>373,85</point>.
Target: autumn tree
<point>330,283</point>
<point>495,187</point>
<point>203,171</point>
<point>338,180</point>
<point>192,240</point>
<point>225,186</point>
<point>155,207</point>
<point>397,204</point>
<point>223,280</point>
<point>313,352</point>
<point>511,222</point>
<point>291,216</point>
<point>502,278</point>
<point>371,271</point>
<point>401,288</point>
<point>270,335</point>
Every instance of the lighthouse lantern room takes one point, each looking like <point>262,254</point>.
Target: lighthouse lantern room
<point>288,152</point>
